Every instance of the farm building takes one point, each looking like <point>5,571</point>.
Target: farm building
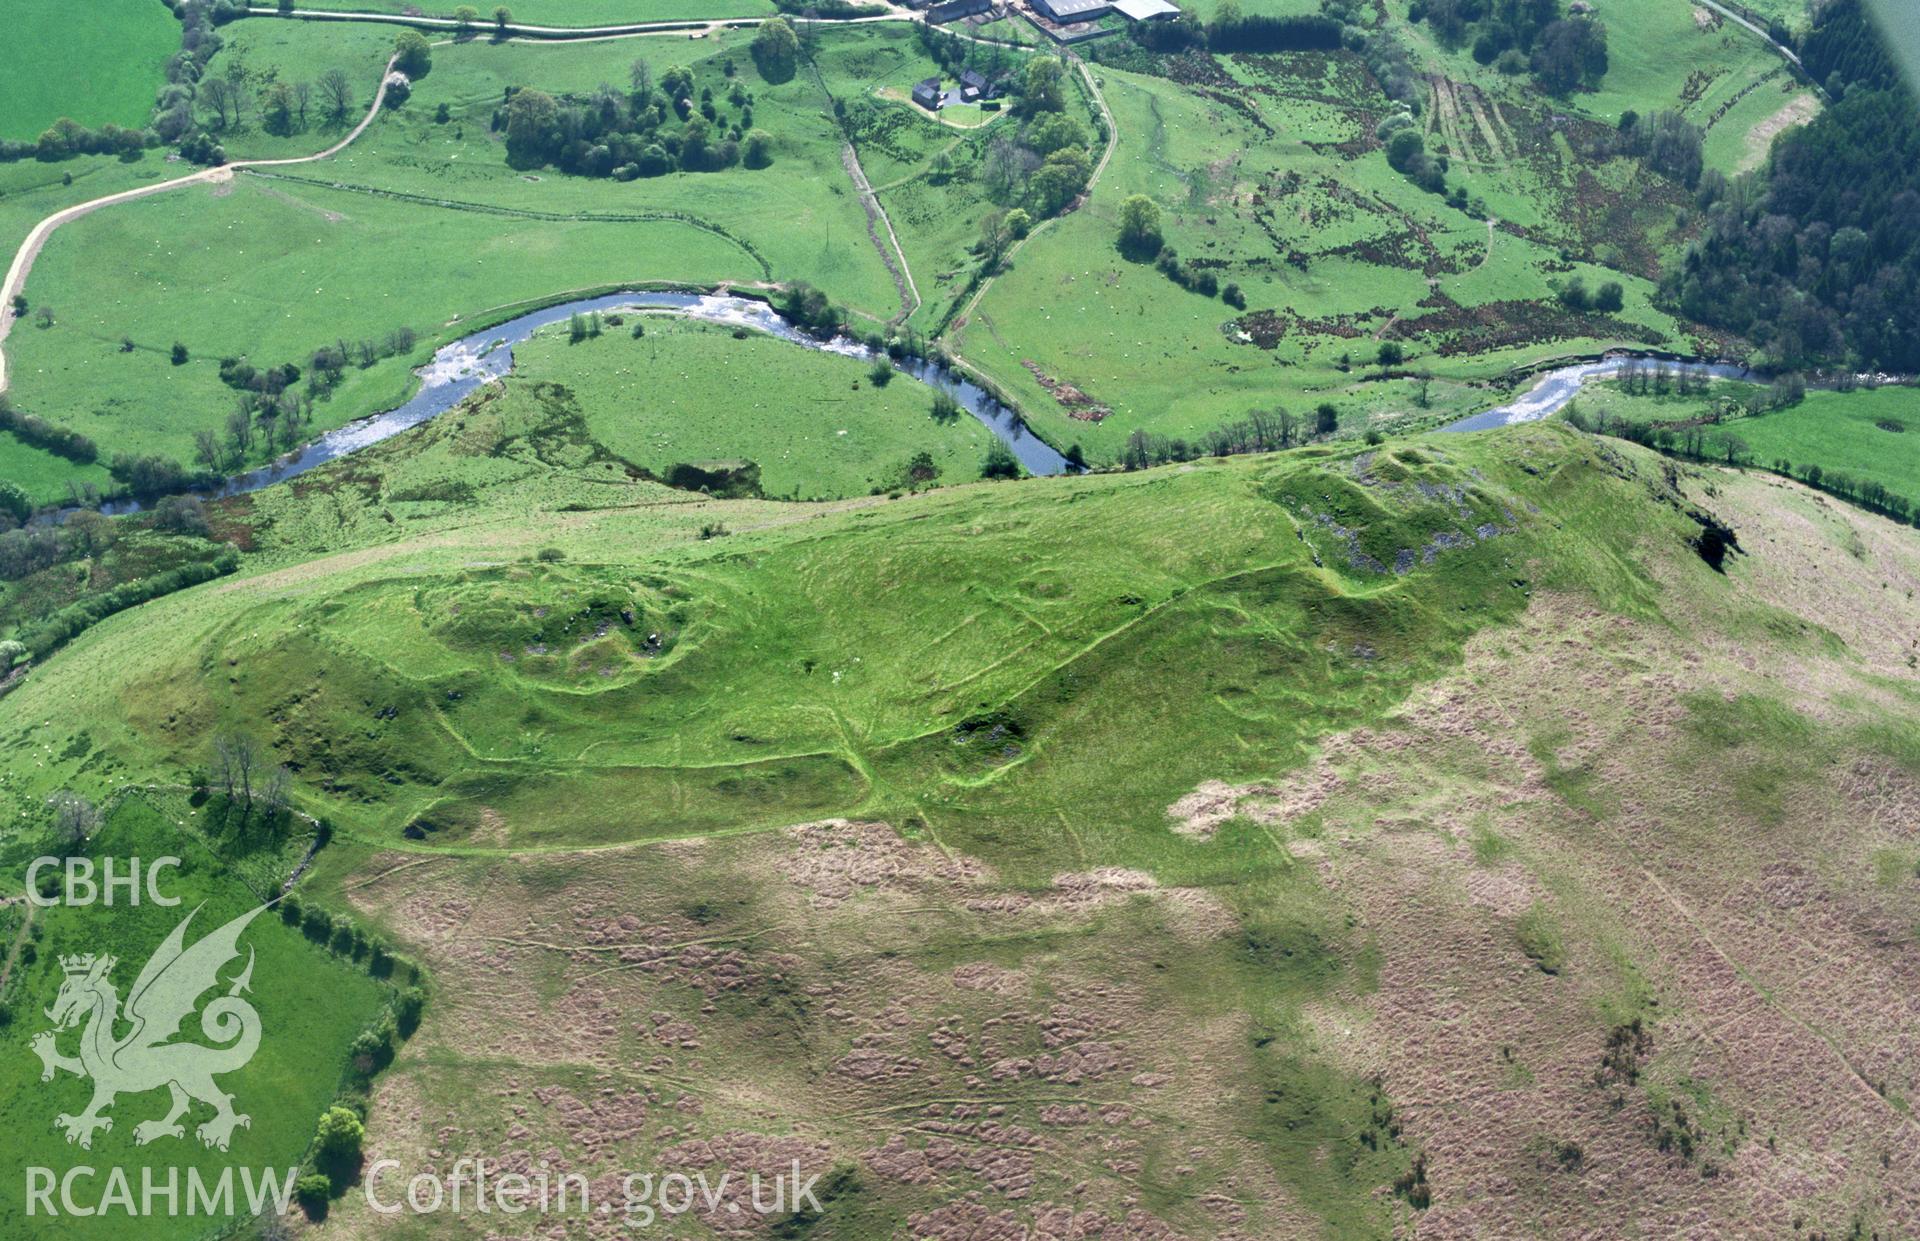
<point>973,86</point>
<point>1065,12</point>
<point>954,10</point>
<point>1146,10</point>
<point>927,94</point>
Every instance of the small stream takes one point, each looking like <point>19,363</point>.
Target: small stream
<point>460,369</point>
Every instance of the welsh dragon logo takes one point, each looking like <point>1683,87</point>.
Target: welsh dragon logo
<point>163,996</point>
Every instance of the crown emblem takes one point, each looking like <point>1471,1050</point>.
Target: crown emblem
<point>80,964</point>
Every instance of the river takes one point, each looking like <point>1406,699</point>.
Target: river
<point>459,369</point>
<point>1551,392</point>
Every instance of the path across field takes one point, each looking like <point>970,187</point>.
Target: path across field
<point>30,248</point>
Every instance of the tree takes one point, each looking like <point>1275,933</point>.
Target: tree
<point>1018,223</point>
<point>757,150</point>
<point>1140,227</point>
<point>881,373</point>
<point>945,408</point>
<point>1570,54</point>
<point>220,95</point>
<point>1045,85</point>
<point>1391,353</point>
<point>336,94</point>
<point>464,17</point>
<point>206,448</point>
<point>502,18</point>
<point>312,1191</point>
<point>340,1134</point>
<point>74,819</point>
<point>90,532</point>
<point>1000,462</point>
<point>533,128</point>
<point>776,50</point>
<point>1404,148</point>
<point>1055,132</point>
<point>275,789</point>
<point>407,1009</point>
<point>1671,145</point>
<point>14,502</point>
<point>1005,169</point>
<point>235,758</point>
<point>1326,419</point>
<point>412,55</point>
<point>694,155</point>
<point>994,239</point>
<point>181,515</point>
<point>276,108</point>
<point>302,101</point>
<point>240,431</point>
<point>1609,298</point>
<point>640,75</point>
<point>1059,180</point>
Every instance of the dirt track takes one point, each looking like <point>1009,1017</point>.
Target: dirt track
<point>30,248</point>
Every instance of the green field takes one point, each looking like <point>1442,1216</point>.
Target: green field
<point>813,423</point>
<point>98,63</point>
<point>310,1005</point>
<point>1850,433</point>
<point>258,54</point>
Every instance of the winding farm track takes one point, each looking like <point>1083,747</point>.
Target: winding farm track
<point>1106,157</point>
<point>560,34</point>
<point>30,248</point>
<point>1738,20</point>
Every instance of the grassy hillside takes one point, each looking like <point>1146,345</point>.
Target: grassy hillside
<point>1255,799</point>
<point>1274,183</point>
<point>775,676</point>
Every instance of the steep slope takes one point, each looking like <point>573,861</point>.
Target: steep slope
<point>1421,839</point>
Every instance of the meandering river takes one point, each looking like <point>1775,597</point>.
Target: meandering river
<point>459,369</point>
